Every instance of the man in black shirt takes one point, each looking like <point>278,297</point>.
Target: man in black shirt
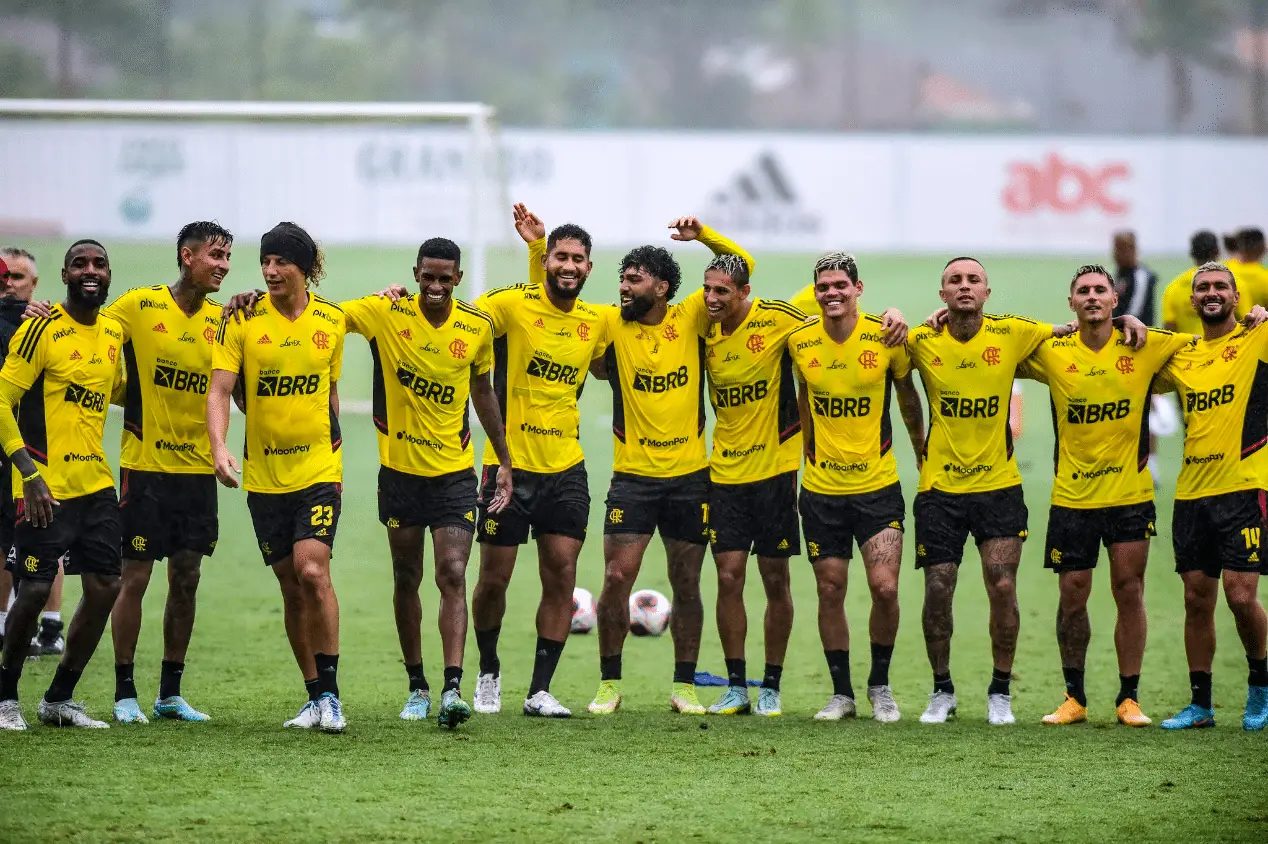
<point>1134,282</point>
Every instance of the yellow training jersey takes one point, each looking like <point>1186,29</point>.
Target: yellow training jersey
<point>1100,408</point>
<point>287,370</point>
<point>969,447</point>
<point>422,380</point>
<point>167,356</point>
<point>849,393</point>
<point>657,378</point>
<point>754,395</point>
<point>1177,304</point>
<point>1223,388</point>
<point>541,357</point>
<point>805,301</point>
<point>1252,282</point>
<point>69,371</point>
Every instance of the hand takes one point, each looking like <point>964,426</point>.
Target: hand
<point>689,228</point>
<point>1257,316</point>
<point>241,304</point>
<point>1065,329</point>
<point>894,326</point>
<point>1134,331</point>
<point>528,224</point>
<point>938,318</point>
<point>227,469</point>
<point>37,309</point>
<point>502,497</point>
<point>395,292</point>
<point>38,502</point>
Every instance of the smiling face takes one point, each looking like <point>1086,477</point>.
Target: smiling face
<point>436,279</point>
<point>1215,295</point>
<point>639,290</point>
<point>837,294</point>
<point>1092,298</point>
<point>721,295</point>
<point>87,275</point>
<point>207,263</point>
<point>282,277</point>
<point>567,268</point>
<point>964,288</point>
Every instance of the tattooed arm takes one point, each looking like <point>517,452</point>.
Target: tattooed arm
<point>913,414</point>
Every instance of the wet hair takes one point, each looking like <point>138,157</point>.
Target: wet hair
<point>731,265</point>
<point>1214,267</point>
<point>569,231</point>
<point>82,242</point>
<point>838,261</point>
<point>441,248</point>
<point>1090,269</point>
<point>292,242</point>
<point>203,231</point>
<point>1204,246</point>
<point>657,262</point>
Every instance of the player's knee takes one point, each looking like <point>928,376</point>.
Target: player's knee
<point>1242,598</point>
<point>885,592</point>
<point>136,577</point>
<point>617,580</point>
<point>312,574</point>
<point>407,577</point>
<point>33,592</point>
<point>1128,590</point>
<point>730,579</point>
<point>451,577</point>
<point>184,577</point>
<point>831,590</point>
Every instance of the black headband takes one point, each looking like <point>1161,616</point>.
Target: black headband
<point>292,243</point>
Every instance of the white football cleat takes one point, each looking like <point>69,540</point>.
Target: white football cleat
<point>999,710</point>
<point>11,716</point>
<point>68,713</point>
<point>330,711</point>
<point>544,705</point>
<point>488,695</point>
<point>308,718</point>
<point>884,707</point>
<point>838,707</point>
<point>941,707</point>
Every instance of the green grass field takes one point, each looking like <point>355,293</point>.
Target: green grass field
<point>644,775</point>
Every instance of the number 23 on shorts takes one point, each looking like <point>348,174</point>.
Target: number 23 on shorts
<point>323,514</point>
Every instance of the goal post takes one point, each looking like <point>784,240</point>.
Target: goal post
<point>417,170</point>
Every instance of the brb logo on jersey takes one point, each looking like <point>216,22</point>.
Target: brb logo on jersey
<point>1208,400</point>
<point>1090,414</point>
<point>180,380</point>
<point>957,407</point>
<point>646,383</point>
<point>84,397</point>
<point>423,388</point>
<point>280,386</point>
<point>542,367</point>
<point>1065,187</point>
<point>838,408</point>
<point>739,394</point>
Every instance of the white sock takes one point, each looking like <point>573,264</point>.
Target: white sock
<point>4,616</point>
<point>51,615</point>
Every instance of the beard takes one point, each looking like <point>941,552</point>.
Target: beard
<point>81,299</point>
<point>1216,318</point>
<point>563,292</point>
<point>637,308</point>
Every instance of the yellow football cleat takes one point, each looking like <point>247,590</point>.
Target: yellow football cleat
<point>1069,712</point>
<point>1129,714</point>
<point>608,699</point>
<point>683,699</point>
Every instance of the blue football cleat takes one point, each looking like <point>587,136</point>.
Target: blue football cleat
<point>177,709</point>
<point>1190,718</point>
<point>128,711</point>
<point>1256,715</point>
<point>418,707</point>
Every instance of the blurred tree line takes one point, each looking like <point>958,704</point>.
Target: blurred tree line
<point>574,63</point>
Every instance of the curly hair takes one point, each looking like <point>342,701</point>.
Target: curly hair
<point>569,231</point>
<point>656,262</point>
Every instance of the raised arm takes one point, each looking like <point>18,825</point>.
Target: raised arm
<point>219,394</point>
<point>38,501</point>
<point>913,414</point>
<point>486,408</point>
<point>690,228</point>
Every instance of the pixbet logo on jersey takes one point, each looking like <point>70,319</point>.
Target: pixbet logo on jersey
<point>1066,187</point>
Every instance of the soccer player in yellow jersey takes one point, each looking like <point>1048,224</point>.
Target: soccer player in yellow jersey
<point>167,482</point>
<point>59,377</point>
<point>850,492</point>
<point>1178,313</point>
<point>1102,491</point>
<point>1218,522</point>
<point>288,356</point>
<point>660,479</point>
<point>1247,265</point>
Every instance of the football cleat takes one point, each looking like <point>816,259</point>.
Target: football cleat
<point>884,707</point>
<point>49,639</point>
<point>453,709</point>
<point>68,713</point>
<point>734,701</point>
<point>11,716</point>
<point>607,700</point>
<point>128,711</point>
<point>999,710</point>
<point>837,708</point>
<point>176,709</point>
<point>331,714</point>
<point>544,705</point>
<point>941,707</point>
<point>418,707</point>
<point>768,703</point>
<point>683,699</point>
<point>308,718</point>
<point>1192,717</point>
<point>1129,714</point>
<point>488,695</point>
<point>1256,714</point>
<point>1069,712</point>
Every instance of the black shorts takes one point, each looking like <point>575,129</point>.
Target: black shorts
<point>87,528</point>
<point>407,500</point>
<point>164,513</point>
<point>1219,532</point>
<point>760,517</point>
<point>677,507</point>
<point>283,518</point>
<point>8,522</point>
<point>543,503</point>
<point>1075,536</point>
<point>834,523</point>
<point>944,521</point>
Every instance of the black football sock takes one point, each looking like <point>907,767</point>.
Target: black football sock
<point>839,668</point>
<point>736,673</point>
<point>1128,688</point>
<point>170,679</point>
<point>487,642</point>
<point>999,682</point>
<point>1258,671</point>
<point>1074,684</point>
<point>544,664</point>
<point>942,683</point>
<point>124,686</point>
<point>1200,684</point>
<point>9,682</point>
<point>685,672</point>
<point>771,677</point>
<point>453,677</point>
<point>417,680</point>
<point>327,673</point>
<point>610,667</point>
<point>311,686</point>
<point>63,685</point>
<point>881,655</point>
